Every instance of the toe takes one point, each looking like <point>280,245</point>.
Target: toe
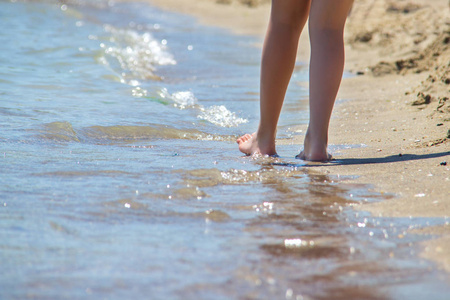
<point>244,138</point>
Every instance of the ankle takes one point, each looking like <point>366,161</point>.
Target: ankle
<point>265,142</point>
<point>266,133</point>
<point>314,139</point>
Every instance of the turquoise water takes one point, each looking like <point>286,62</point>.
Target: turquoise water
<point>120,177</point>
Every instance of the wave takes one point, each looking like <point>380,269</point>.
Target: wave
<point>59,131</point>
<point>130,133</point>
<point>64,132</point>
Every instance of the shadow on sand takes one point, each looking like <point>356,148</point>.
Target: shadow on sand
<point>367,161</point>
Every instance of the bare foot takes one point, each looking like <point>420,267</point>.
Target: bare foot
<point>250,145</point>
<point>314,150</point>
<point>314,156</point>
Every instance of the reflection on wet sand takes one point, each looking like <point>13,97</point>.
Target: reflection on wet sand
<point>300,238</point>
<point>310,239</point>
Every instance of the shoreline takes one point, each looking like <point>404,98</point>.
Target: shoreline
<point>397,104</point>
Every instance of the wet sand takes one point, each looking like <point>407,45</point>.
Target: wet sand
<point>396,104</point>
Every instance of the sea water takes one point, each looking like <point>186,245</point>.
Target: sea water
<point>120,177</point>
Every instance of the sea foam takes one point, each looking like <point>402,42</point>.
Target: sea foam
<point>217,114</point>
<point>138,54</point>
<point>221,116</point>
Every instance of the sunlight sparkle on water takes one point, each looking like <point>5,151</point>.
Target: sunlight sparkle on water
<point>295,243</point>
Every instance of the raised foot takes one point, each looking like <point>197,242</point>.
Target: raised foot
<point>250,145</point>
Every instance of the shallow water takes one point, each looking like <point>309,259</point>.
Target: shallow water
<point>120,177</point>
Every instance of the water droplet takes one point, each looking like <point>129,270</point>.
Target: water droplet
<point>289,293</point>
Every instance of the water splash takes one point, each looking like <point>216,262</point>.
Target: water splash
<point>217,114</point>
<point>221,116</point>
<point>138,55</point>
<point>182,99</point>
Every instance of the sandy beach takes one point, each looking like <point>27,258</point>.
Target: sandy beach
<point>396,103</point>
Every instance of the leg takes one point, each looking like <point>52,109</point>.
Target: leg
<point>287,20</point>
<point>326,25</point>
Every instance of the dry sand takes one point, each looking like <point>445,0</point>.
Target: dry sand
<point>396,104</point>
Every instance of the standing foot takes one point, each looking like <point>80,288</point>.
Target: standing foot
<point>315,149</point>
<point>315,156</point>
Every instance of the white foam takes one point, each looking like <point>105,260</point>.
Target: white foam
<point>137,54</point>
<point>139,92</point>
<point>221,116</point>
<point>182,99</point>
<point>217,114</point>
